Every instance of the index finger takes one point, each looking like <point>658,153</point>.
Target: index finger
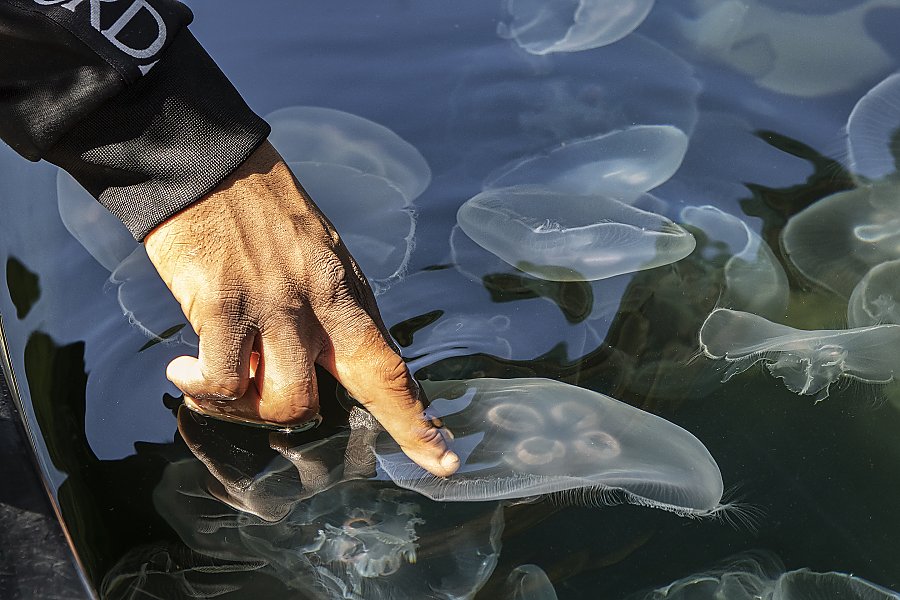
<point>363,361</point>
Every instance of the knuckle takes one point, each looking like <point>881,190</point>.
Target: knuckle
<point>227,386</point>
<point>396,379</point>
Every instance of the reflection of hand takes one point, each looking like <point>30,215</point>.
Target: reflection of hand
<point>259,271</point>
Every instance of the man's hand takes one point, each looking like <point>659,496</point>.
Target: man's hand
<point>264,278</point>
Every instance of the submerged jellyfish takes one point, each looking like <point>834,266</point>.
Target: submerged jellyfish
<point>807,361</point>
<point>530,436</point>
<point>325,135</point>
<point>782,50</point>
<point>835,241</point>
<point>754,280</point>
<point>873,131</point>
<point>529,582</point>
<point>542,26</point>
<point>761,576</point>
<point>876,298</point>
<point>565,237</point>
<point>622,164</point>
<point>96,229</point>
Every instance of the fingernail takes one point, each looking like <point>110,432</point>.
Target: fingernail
<point>450,461</point>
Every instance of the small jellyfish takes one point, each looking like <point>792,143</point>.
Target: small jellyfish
<point>876,298</point>
<point>622,164</point>
<point>565,237</point>
<point>577,441</point>
<point>781,49</point>
<point>325,135</point>
<point>546,26</point>
<point>873,129</point>
<point>754,280</point>
<point>96,229</point>
<point>529,582</point>
<point>835,241</point>
<point>807,361</point>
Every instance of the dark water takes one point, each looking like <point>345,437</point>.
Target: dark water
<point>821,476</point>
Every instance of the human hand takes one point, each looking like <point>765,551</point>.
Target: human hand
<point>270,289</point>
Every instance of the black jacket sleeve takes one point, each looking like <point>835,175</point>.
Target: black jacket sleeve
<point>122,96</point>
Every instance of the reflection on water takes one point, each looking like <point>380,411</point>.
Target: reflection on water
<point>428,107</point>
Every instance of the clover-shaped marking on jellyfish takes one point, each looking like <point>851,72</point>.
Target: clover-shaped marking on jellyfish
<point>807,361</point>
<point>622,164</point>
<point>565,237</point>
<point>525,437</point>
<point>546,26</point>
<point>876,298</point>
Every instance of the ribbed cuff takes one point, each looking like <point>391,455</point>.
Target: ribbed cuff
<point>165,141</point>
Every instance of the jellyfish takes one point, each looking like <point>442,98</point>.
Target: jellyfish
<point>622,164</point>
<point>807,361</point>
<point>529,582</point>
<point>325,135</point>
<point>96,229</point>
<point>873,129</point>
<point>542,27</point>
<point>876,298</point>
<point>782,50</point>
<point>565,237</point>
<point>754,280</point>
<point>835,241</point>
<point>761,576</point>
<point>532,436</point>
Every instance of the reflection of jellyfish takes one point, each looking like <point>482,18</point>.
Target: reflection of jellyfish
<point>363,541</point>
<point>565,237</point>
<point>754,280</point>
<point>622,164</point>
<point>872,131</point>
<point>876,298</point>
<point>529,582</point>
<point>325,135</point>
<point>610,452</point>
<point>782,50</point>
<point>542,26</point>
<point>761,576</point>
<point>95,228</point>
<point>807,361</point>
<point>835,241</point>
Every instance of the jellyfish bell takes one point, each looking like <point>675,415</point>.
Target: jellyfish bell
<point>872,131</point>
<point>325,135</point>
<point>564,237</point>
<point>876,298</point>
<point>754,279</point>
<point>860,227</point>
<point>528,582</point>
<point>807,361</point>
<point>628,455</point>
<point>542,27</point>
<point>622,164</point>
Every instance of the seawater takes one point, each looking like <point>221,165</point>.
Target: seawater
<point>763,145</point>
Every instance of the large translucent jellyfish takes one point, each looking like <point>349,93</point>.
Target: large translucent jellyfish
<point>782,50</point>
<point>876,298</point>
<point>325,135</point>
<point>565,237</point>
<point>530,436</point>
<point>835,241</point>
<point>754,280</point>
<point>621,164</point>
<point>529,582</point>
<point>543,27</point>
<point>760,576</point>
<point>807,361</point>
<point>96,229</point>
<point>873,131</point>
